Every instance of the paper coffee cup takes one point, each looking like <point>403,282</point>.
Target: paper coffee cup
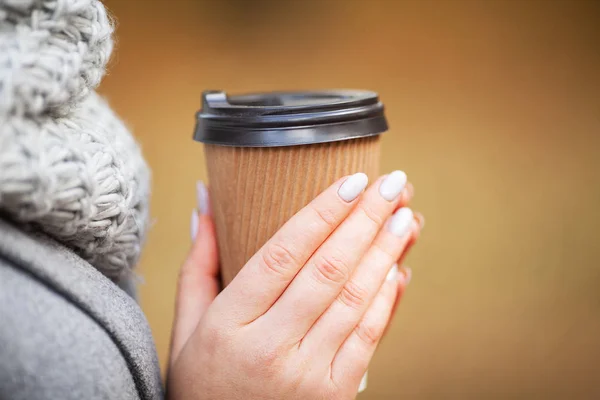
<point>270,154</point>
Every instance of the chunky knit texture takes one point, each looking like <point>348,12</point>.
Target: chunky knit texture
<point>68,165</point>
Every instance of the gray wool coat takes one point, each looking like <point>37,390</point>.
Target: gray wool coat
<point>66,331</point>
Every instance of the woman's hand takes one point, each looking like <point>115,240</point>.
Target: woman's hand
<point>303,317</point>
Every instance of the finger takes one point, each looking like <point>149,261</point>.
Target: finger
<point>334,326</point>
<point>413,239</point>
<point>268,273</point>
<point>352,360</point>
<point>198,283</point>
<point>404,281</point>
<point>327,271</point>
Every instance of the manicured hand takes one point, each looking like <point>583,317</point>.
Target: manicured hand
<point>303,317</point>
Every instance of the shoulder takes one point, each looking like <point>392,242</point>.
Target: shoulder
<point>50,349</point>
<point>67,331</point>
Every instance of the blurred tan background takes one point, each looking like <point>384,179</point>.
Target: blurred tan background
<point>494,109</point>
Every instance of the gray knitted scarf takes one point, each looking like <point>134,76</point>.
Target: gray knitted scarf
<point>68,165</point>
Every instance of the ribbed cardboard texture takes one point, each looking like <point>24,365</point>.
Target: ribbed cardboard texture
<point>255,190</point>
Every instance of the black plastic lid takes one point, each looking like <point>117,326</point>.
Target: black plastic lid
<point>288,118</point>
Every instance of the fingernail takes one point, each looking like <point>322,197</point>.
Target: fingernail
<point>392,273</point>
<point>420,219</point>
<point>392,185</point>
<point>202,199</point>
<point>353,186</point>
<point>194,225</point>
<point>401,221</point>
<point>363,383</point>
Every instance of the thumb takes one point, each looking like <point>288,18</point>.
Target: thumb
<point>198,283</point>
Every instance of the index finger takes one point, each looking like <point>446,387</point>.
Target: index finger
<point>268,273</point>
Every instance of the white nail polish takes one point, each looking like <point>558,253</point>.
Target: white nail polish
<point>353,186</point>
<point>392,185</point>
<point>392,273</point>
<point>202,199</point>
<point>194,225</point>
<point>363,383</point>
<point>401,221</point>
